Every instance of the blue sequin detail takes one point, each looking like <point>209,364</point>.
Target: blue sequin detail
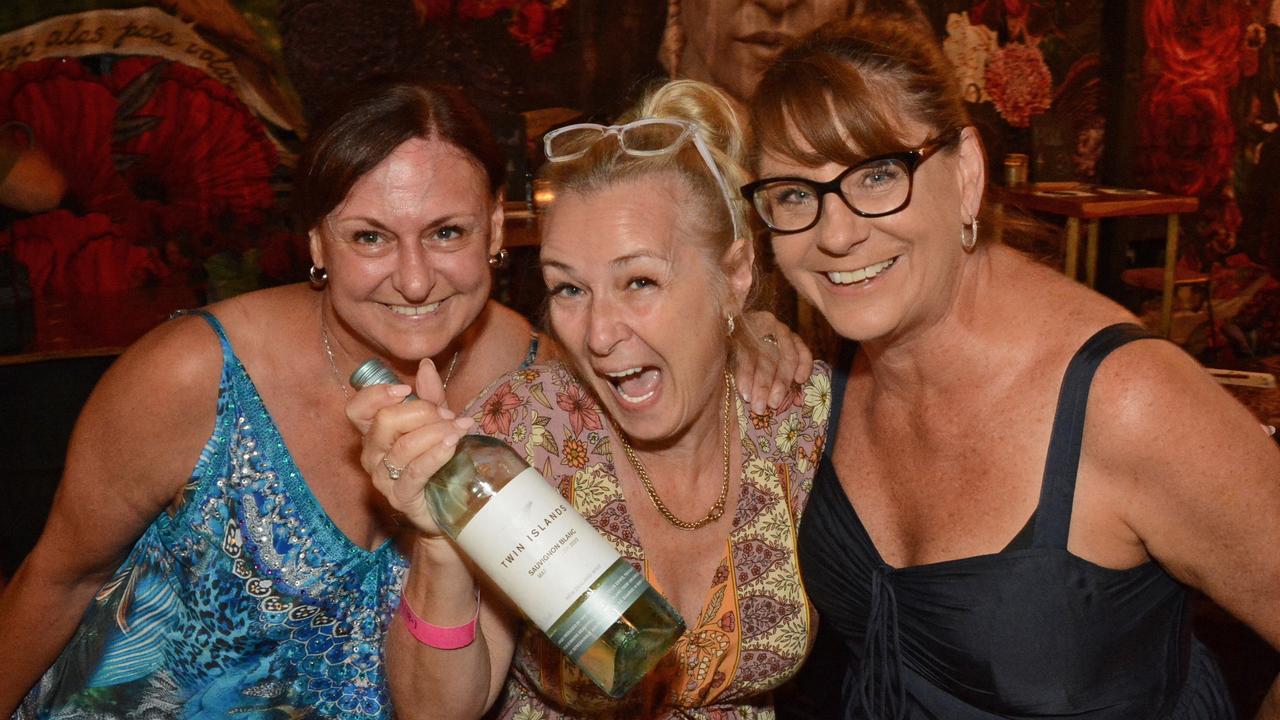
<point>248,601</point>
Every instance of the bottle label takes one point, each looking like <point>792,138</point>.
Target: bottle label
<point>582,625</point>
<point>535,546</point>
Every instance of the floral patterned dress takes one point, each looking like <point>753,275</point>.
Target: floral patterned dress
<point>756,625</point>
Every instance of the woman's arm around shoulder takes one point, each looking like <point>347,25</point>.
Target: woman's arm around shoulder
<point>134,445</point>
<point>800,432</point>
<point>1199,481</point>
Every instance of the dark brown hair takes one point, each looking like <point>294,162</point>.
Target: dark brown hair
<point>366,128</point>
<point>846,89</point>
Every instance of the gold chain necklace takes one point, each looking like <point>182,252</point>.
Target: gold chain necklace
<point>717,510</point>
<point>337,376</point>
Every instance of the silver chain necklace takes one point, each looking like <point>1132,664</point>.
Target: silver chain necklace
<point>337,376</point>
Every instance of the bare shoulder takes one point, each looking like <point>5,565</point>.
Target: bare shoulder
<point>257,322</point>
<point>135,444</point>
<point>1041,315</point>
<point>1199,480</point>
<point>507,325</point>
<point>164,389</point>
<point>505,337</point>
<point>1154,386</point>
<point>176,361</point>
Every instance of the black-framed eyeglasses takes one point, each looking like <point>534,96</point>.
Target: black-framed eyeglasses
<point>875,187</point>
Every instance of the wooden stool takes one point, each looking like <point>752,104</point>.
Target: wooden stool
<point>1090,203</point>
<point>1152,278</point>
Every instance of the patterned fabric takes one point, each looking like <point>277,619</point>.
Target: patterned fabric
<point>246,601</point>
<point>756,625</point>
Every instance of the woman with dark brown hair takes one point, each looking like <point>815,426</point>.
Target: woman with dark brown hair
<point>1022,485</point>
<point>214,546</point>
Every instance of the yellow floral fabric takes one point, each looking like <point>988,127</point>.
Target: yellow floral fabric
<point>756,625</point>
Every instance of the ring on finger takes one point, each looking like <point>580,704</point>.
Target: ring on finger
<point>393,471</point>
<point>770,339</point>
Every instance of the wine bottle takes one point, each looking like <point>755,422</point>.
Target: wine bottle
<point>555,567</point>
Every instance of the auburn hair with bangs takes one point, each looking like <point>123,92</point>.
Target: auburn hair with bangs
<point>845,91</point>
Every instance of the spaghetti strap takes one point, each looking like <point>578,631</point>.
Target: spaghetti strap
<point>840,373</point>
<point>1057,492</point>
<point>214,323</point>
<point>531,355</point>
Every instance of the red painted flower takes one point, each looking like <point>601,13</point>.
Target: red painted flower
<point>535,24</point>
<point>205,163</point>
<point>1186,138</point>
<point>71,116</point>
<point>67,254</point>
<point>581,408</point>
<point>1019,83</point>
<point>281,254</point>
<point>498,409</point>
<point>1023,18</point>
<point>1195,40</point>
<point>537,27</point>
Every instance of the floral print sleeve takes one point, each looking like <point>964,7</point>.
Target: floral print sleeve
<point>793,436</point>
<point>756,625</point>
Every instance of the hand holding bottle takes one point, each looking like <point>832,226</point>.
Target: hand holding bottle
<point>597,608</point>
<point>405,442</point>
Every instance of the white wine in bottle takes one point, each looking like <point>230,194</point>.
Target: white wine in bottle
<point>566,578</point>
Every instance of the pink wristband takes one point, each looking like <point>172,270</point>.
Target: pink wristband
<point>440,638</point>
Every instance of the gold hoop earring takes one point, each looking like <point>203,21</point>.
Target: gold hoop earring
<point>319,277</point>
<point>499,259</point>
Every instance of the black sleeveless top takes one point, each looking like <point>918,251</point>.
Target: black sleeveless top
<point>1029,632</point>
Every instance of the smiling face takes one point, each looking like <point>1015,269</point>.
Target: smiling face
<point>877,278</point>
<point>631,300</point>
<point>731,42</point>
<point>406,252</point>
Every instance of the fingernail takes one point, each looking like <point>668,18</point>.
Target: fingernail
<point>775,399</point>
<point>464,422</point>
<point>451,440</point>
<point>446,413</point>
<point>399,390</point>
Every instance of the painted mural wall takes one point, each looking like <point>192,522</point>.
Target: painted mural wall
<point>174,124</point>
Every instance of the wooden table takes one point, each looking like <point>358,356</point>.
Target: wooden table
<point>1079,201</point>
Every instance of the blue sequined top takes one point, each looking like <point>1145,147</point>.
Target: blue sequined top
<point>247,601</point>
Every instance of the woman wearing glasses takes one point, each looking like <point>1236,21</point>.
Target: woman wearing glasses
<point>648,260</point>
<point>1020,483</point>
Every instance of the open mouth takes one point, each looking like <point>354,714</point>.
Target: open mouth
<point>861,275</point>
<point>414,310</point>
<point>635,385</point>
